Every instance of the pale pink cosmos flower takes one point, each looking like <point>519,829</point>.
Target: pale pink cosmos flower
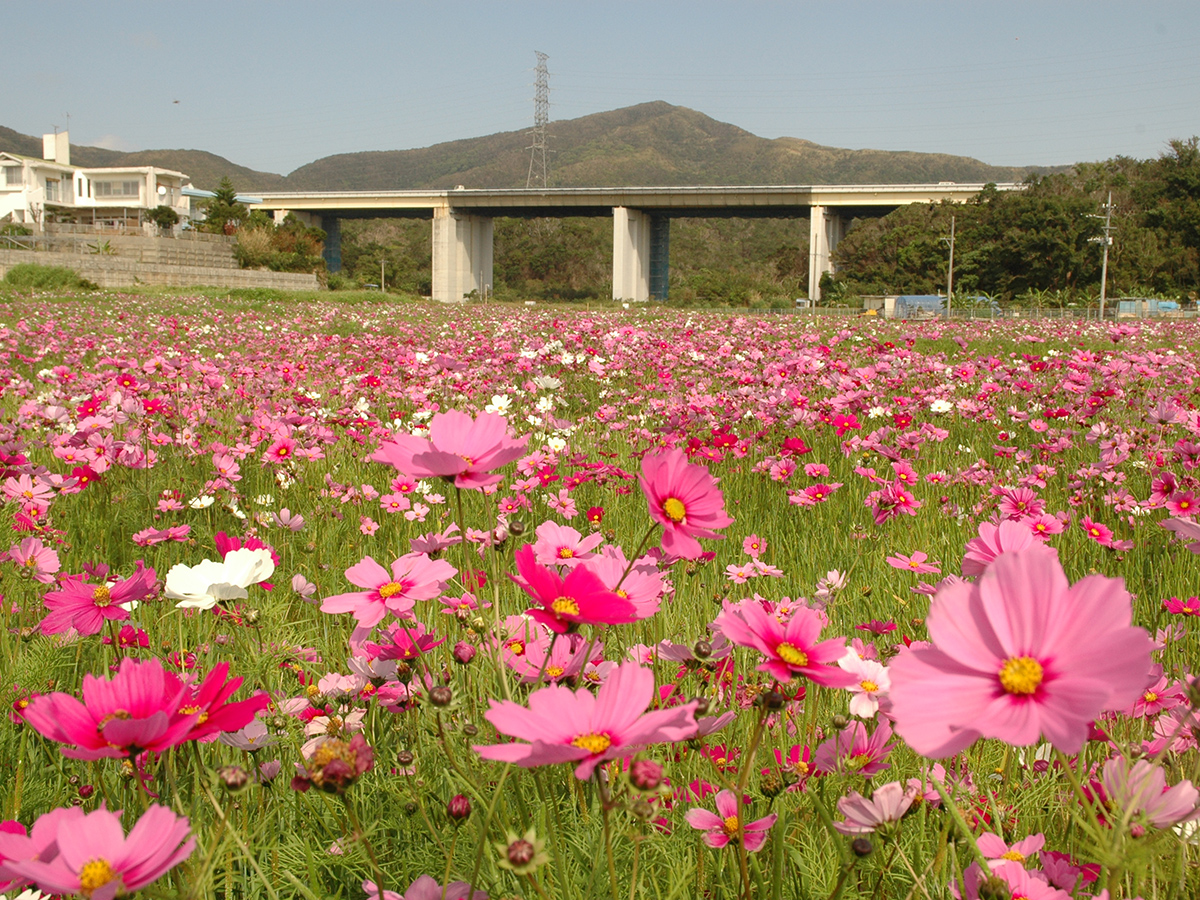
<point>998,852</point>
<point>641,584</point>
<point>853,750</point>
<point>915,563</point>
<point>562,545</point>
<point>754,546</point>
<point>1017,655</point>
<point>872,683</point>
<point>684,499</point>
<point>96,859</point>
<point>1185,530</point>
<point>426,888</point>
<point>1019,882</point>
<point>460,448</point>
<point>36,558</point>
<point>414,576</point>
<point>790,648</point>
<point>889,802</point>
<point>725,825</point>
<point>1139,792</point>
<point>561,725</point>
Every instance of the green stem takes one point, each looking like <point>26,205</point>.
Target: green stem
<point>483,831</point>
<point>361,838</point>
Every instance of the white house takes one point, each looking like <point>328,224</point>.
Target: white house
<point>34,191</point>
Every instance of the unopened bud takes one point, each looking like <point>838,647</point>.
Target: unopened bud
<point>772,700</point>
<point>701,706</point>
<point>470,730</point>
<point>702,650</point>
<point>861,846</point>
<point>459,808</point>
<point>86,791</point>
<point>520,852</point>
<point>464,652</point>
<point>410,808</point>
<point>839,722</point>
<point>405,758</point>
<point>441,695</point>
<point>232,778</point>
<point>646,774</point>
<point>642,808</point>
<point>516,527</point>
<point>770,784</point>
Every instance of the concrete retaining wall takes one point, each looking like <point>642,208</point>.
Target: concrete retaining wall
<point>118,271</point>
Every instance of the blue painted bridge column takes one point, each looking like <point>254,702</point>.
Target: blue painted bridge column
<point>660,256</point>
<point>333,243</point>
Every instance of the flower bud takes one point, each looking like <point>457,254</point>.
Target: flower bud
<point>646,774</point>
<point>459,808</point>
<point>702,650</point>
<point>839,722</point>
<point>862,847</point>
<point>772,700</point>
<point>251,616</point>
<point>770,784</point>
<point>516,527</point>
<point>470,730</point>
<point>464,652</point>
<point>405,758</point>
<point>86,791</point>
<point>520,852</point>
<point>441,695</point>
<point>232,778</point>
<point>701,706</point>
<point>642,808</point>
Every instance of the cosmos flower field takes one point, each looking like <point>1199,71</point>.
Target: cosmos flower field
<point>357,599</point>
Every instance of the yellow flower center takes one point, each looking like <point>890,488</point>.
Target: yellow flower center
<point>674,509</point>
<point>554,671</point>
<point>95,874</point>
<point>1150,696</point>
<point>1014,856</point>
<point>800,767</point>
<point>565,606</point>
<point>102,595</point>
<point>565,553</point>
<point>622,593</point>
<point>1021,675</point>
<point>791,655</point>
<point>593,743</point>
<point>868,686</point>
<point>517,648</point>
<point>391,589</point>
<point>311,691</point>
<point>730,825</point>
<point>857,761</point>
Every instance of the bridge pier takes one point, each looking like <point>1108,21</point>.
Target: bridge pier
<point>641,255</point>
<point>462,255</point>
<point>825,229</point>
<point>332,251</point>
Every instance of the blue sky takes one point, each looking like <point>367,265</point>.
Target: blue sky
<point>273,85</point>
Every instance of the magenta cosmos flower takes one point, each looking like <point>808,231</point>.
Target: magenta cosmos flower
<point>142,708</point>
<point>1020,654</point>
<point>97,860</point>
<point>580,598</point>
<point>459,447</point>
<point>86,607</point>
<point>791,647</point>
<point>724,825</point>
<point>685,500</point>
<point>414,576</point>
<point>561,725</point>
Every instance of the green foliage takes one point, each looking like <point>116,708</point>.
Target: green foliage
<point>12,228</point>
<point>163,216</point>
<point>32,277</point>
<point>290,247</point>
<point>223,214</point>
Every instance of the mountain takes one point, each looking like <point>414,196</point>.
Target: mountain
<point>648,144</point>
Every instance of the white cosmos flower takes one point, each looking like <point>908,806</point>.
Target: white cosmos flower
<point>500,404</point>
<point>873,681</point>
<point>202,501</point>
<point>203,586</point>
<point>941,406</point>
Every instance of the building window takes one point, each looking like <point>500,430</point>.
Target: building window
<point>52,190</point>
<point>13,176</point>
<point>115,188</point>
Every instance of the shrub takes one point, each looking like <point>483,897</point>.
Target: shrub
<point>32,277</point>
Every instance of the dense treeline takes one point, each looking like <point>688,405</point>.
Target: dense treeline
<point>1037,246</point>
<point>1043,245</point>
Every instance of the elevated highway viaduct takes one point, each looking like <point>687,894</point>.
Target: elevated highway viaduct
<point>462,221</point>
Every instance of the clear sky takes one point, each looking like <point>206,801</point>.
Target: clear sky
<point>274,85</point>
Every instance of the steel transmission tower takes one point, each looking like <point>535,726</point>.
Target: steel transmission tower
<point>538,171</point>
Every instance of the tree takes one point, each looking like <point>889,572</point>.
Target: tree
<point>164,217</point>
<point>224,214</point>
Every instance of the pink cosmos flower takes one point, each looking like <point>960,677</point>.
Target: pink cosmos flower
<point>641,584</point>
<point>97,860</point>
<point>993,540</point>
<point>1185,530</point>
<point>36,558</point>
<point>852,750</point>
<point>426,888</point>
<point>562,545</point>
<point>889,802</point>
<point>754,546</point>
<point>1097,531</point>
<point>915,563</point>
<point>579,598</point>
<point>86,607</point>
<point>1019,654</point>
<point>684,499</point>
<point>998,853</point>
<point>1017,880</point>
<point>413,577</point>
<point>1142,790</point>
<point>459,448</point>
<point>561,725</point>
<point>725,824</point>
<point>790,648</point>
<point>143,707</point>
<point>40,843</point>
<point>281,451</point>
<point>872,682</point>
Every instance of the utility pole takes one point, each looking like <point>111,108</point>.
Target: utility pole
<point>538,175</point>
<point>950,270</point>
<point>1106,240</point>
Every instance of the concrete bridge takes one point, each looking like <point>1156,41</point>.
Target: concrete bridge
<point>462,221</point>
